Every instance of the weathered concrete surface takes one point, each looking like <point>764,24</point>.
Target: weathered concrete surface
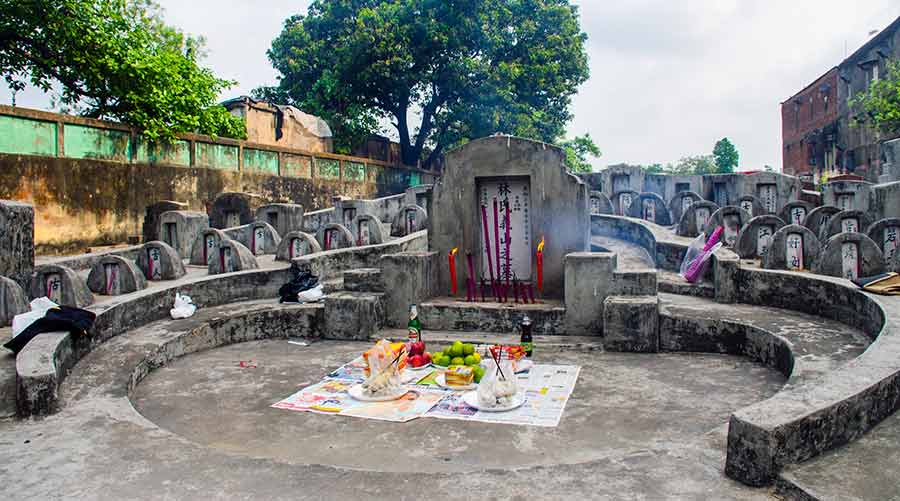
<point>169,266</point>
<point>353,315</point>
<point>680,201</point>
<point>122,277</point>
<point>776,257</point>
<point>818,220</point>
<point>650,207</point>
<point>296,244</point>
<point>285,218</point>
<point>363,280</point>
<point>870,260</point>
<point>16,241</point>
<point>205,246</point>
<point>179,229</point>
<point>690,225</point>
<point>453,314</point>
<point>409,278</point>
<point>855,219</point>
<point>150,226</point>
<point>748,245</point>
<point>631,323</point>
<point>67,288</point>
<point>588,280</point>
<point>629,256</point>
<point>409,219</point>
<point>232,209</point>
<point>232,256</point>
<point>12,301</point>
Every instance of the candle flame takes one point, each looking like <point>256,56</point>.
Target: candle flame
<point>453,252</point>
<point>540,247</point>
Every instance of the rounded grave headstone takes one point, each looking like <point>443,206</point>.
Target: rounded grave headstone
<point>409,219</point>
<point>623,200</point>
<point>296,244</point>
<point>13,300</point>
<point>650,207</point>
<point>115,275</point>
<point>794,247</point>
<point>285,218</point>
<point>850,255</point>
<point>886,235</point>
<point>732,218</point>
<point>61,285</point>
<point>795,211</point>
<point>333,236</point>
<point>232,256</point>
<point>818,220</point>
<point>599,203</point>
<point>231,209</point>
<point>694,220</point>
<point>206,246</point>
<point>180,228</point>
<point>150,228</point>
<point>848,221</point>
<point>259,237</point>
<point>159,261</point>
<point>755,238</point>
<point>367,230</point>
<point>751,205</point>
<point>680,203</point>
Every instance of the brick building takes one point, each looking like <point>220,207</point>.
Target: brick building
<point>818,136</point>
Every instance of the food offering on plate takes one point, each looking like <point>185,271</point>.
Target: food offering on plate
<point>459,354</point>
<point>418,357</point>
<point>514,354</point>
<point>499,389</point>
<point>383,378</point>
<point>395,350</point>
<point>459,375</point>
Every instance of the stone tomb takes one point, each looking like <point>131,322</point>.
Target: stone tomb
<point>850,255</point>
<point>259,237</point>
<point>61,285</point>
<point>680,203</point>
<point>367,230</point>
<point>296,244</point>
<point>694,220</point>
<point>16,241</point>
<point>600,203</point>
<point>794,247</point>
<point>285,218</point>
<point>732,218</point>
<point>115,275</point>
<point>418,195</point>
<point>334,236</point>
<point>623,200</point>
<point>886,235</point>
<point>150,228</point>
<point>232,209</point>
<point>848,221</point>
<point>543,199</point>
<point>204,249</point>
<point>232,256</point>
<point>755,237</point>
<point>847,195</point>
<point>651,207</point>
<point>159,261</point>
<point>795,212</point>
<point>752,205</point>
<point>13,300</point>
<point>410,219</point>
<point>179,229</point>
<point>818,220</point>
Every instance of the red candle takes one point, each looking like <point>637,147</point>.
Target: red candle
<point>497,240</point>
<point>470,280</point>
<point>508,269</point>
<point>452,258</point>
<point>540,265</point>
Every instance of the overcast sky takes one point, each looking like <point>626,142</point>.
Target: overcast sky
<point>668,79</point>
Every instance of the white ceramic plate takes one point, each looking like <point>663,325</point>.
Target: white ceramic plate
<point>471,399</point>
<point>442,382</point>
<point>359,393</point>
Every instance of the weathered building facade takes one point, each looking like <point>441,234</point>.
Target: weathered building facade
<point>808,129</point>
<point>284,126</point>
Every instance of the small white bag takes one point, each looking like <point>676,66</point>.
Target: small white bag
<point>311,295</point>
<point>184,307</point>
<point>39,308</point>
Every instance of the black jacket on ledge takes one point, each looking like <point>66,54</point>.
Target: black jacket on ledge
<point>61,319</point>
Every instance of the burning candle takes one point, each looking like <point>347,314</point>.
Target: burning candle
<point>540,265</point>
<point>452,258</point>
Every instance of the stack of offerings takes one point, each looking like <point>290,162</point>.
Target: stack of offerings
<point>459,376</point>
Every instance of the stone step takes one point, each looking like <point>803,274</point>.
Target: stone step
<point>445,337</point>
<point>671,282</point>
<point>450,314</point>
<point>7,380</point>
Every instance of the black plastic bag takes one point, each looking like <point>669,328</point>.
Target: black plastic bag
<point>302,279</point>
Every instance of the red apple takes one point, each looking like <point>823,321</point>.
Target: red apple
<point>417,348</point>
<point>416,361</point>
<point>427,358</point>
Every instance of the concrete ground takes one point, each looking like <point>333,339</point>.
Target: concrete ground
<point>636,427</point>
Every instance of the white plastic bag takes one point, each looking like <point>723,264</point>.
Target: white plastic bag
<point>39,308</point>
<point>311,295</point>
<point>184,307</point>
<point>695,261</point>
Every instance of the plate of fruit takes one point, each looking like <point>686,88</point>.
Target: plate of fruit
<point>458,353</point>
<point>418,358</point>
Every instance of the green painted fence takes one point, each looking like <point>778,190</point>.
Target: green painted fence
<point>22,136</point>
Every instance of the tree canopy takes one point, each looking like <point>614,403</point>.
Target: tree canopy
<point>114,59</point>
<point>462,69</point>
<point>726,156</point>
<point>880,104</point>
<point>579,150</point>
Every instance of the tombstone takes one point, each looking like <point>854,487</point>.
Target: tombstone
<point>680,203</point>
<point>886,235</point>
<point>346,210</point>
<point>720,195</point>
<point>61,284</point>
<point>232,209</point>
<point>418,195</point>
<point>600,203</point>
<point>850,256</point>
<point>767,194</point>
<point>650,207</point>
<point>794,247</point>
<point>409,219</point>
<point>367,230</point>
<point>115,275</point>
<point>818,220</point>
<point>752,205</point>
<point>334,236</point>
<point>732,218</point>
<point>17,241</point>
<point>847,195</point>
<point>260,238</point>
<point>755,238</point>
<point>159,261</point>
<point>296,244</point>
<point>179,229</point>
<point>232,256</point>
<point>848,221</point>
<point>795,212</point>
<point>150,227</point>
<point>285,218</point>
<point>623,200</point>
<point>205,246</point>
<point>694,220</point>
<point>13,301</point>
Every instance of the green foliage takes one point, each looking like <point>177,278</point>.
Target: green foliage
<point>114,59</point>
<point>726,156</point>
<point>880,103</point>
<point>699,164</point>
<point>467,68</point>
<point>578,151</point>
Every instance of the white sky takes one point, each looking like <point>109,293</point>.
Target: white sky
<point>668,79</point>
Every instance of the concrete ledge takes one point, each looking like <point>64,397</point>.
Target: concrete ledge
<point>447,314</point>
<point>40,367</point>
<point>353,315</point>
<point>631,323</point>
<point>332,263</point>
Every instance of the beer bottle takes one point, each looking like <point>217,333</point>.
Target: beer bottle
<point>414,326</point>
<point>526,341</point>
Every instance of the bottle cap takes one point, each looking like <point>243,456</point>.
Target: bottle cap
<point>526,320</point>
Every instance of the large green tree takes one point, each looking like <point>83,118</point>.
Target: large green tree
<point>726,156</point>
<point>880,103</point>
<point>459,69</point>
<point>694,165</point>
<point>579,150</point>
<point>114,59</point>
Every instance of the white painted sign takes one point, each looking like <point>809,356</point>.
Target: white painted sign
<point>111,271</point>
<point>849,225</point>
<point>515,254</point>
<point>764,239</point>
<point>411,221</point>
<point>850,260</point>
<point>232,219</point>
<point>298,247</point>
<point>209,250</point>
<point>890,242</point>
<point>794,251</point>
<point>349,215</point>
<point>649,210</point>
<point>747,205</point>
<point>624,203</point>
<point>259,240</point>
<point>363,237</point>
<point>686,203</point>
<point>701,217</point>
<point>153,262</point>
<point>798,215</point>
<point>768,197</point>
<point>53,285</point>
<point>845,201</point>
<point>732,224</point>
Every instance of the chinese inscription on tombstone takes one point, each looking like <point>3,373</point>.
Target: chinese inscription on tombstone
<point>747,205</point>
<point>155,268</point>
<point>850,225</point>
<point>890,242</point>
<point>794,251</point>
<point>732,227</point>
<point>410,221</point>
<point>111,272</point>
<point>701,217</point>
<point>798,214</point>
<point>363,236</point>
<point>649,211</point>
<point>209,250</point>
<point>54,287</point>
<point>298,247</point>
<point>768,197</point>
<point>515,238</point>
<point>232,219</point>
<point>624,203</point>
<point>764,239</point>
<point>259,240</point>
<point>686,203</point>
<point>845,202</point>
<point>850,260</point>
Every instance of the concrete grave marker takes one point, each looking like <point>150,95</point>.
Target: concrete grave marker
<point>16,241</point>
<point>764,239</point>
<point>756,235</point>
<point>850,255</point>
<point>179,229</point>
<point>798,214</point>
<point>768,197</point>
<point>732,224</point>
<point>111,273</point>
<point>747,205</point>
<point>649,210</point>
<point>298,247</point>
<point>511,240</point>
<point>363,236</point>
<point>159,261</point>
<point>845,201</point>
<point>225,262</point>
<point>211,242</point>
<point>347,216</point>
<point>62,285</point>
<point>850,221</point>
<point>154,263</point>
<point>53,287</point>
<point>258,240</point>
<point>850,225</point>
<point>890,242</point>
<point>409,219</point>
<point>702,215</point>
<point>283,217</point>
<point>850,260</point>
<point>296,244</point>
<point>794,252</point>
<point>625,202</point>
<point>115,275</point>
<point>686,203</point>
<point>794,247</point>
<point>13,301</point>
<point>232,219</point>
<point>410,216</point>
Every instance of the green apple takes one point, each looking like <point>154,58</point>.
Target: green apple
<point>458,361</point>
<point>468,349</point>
